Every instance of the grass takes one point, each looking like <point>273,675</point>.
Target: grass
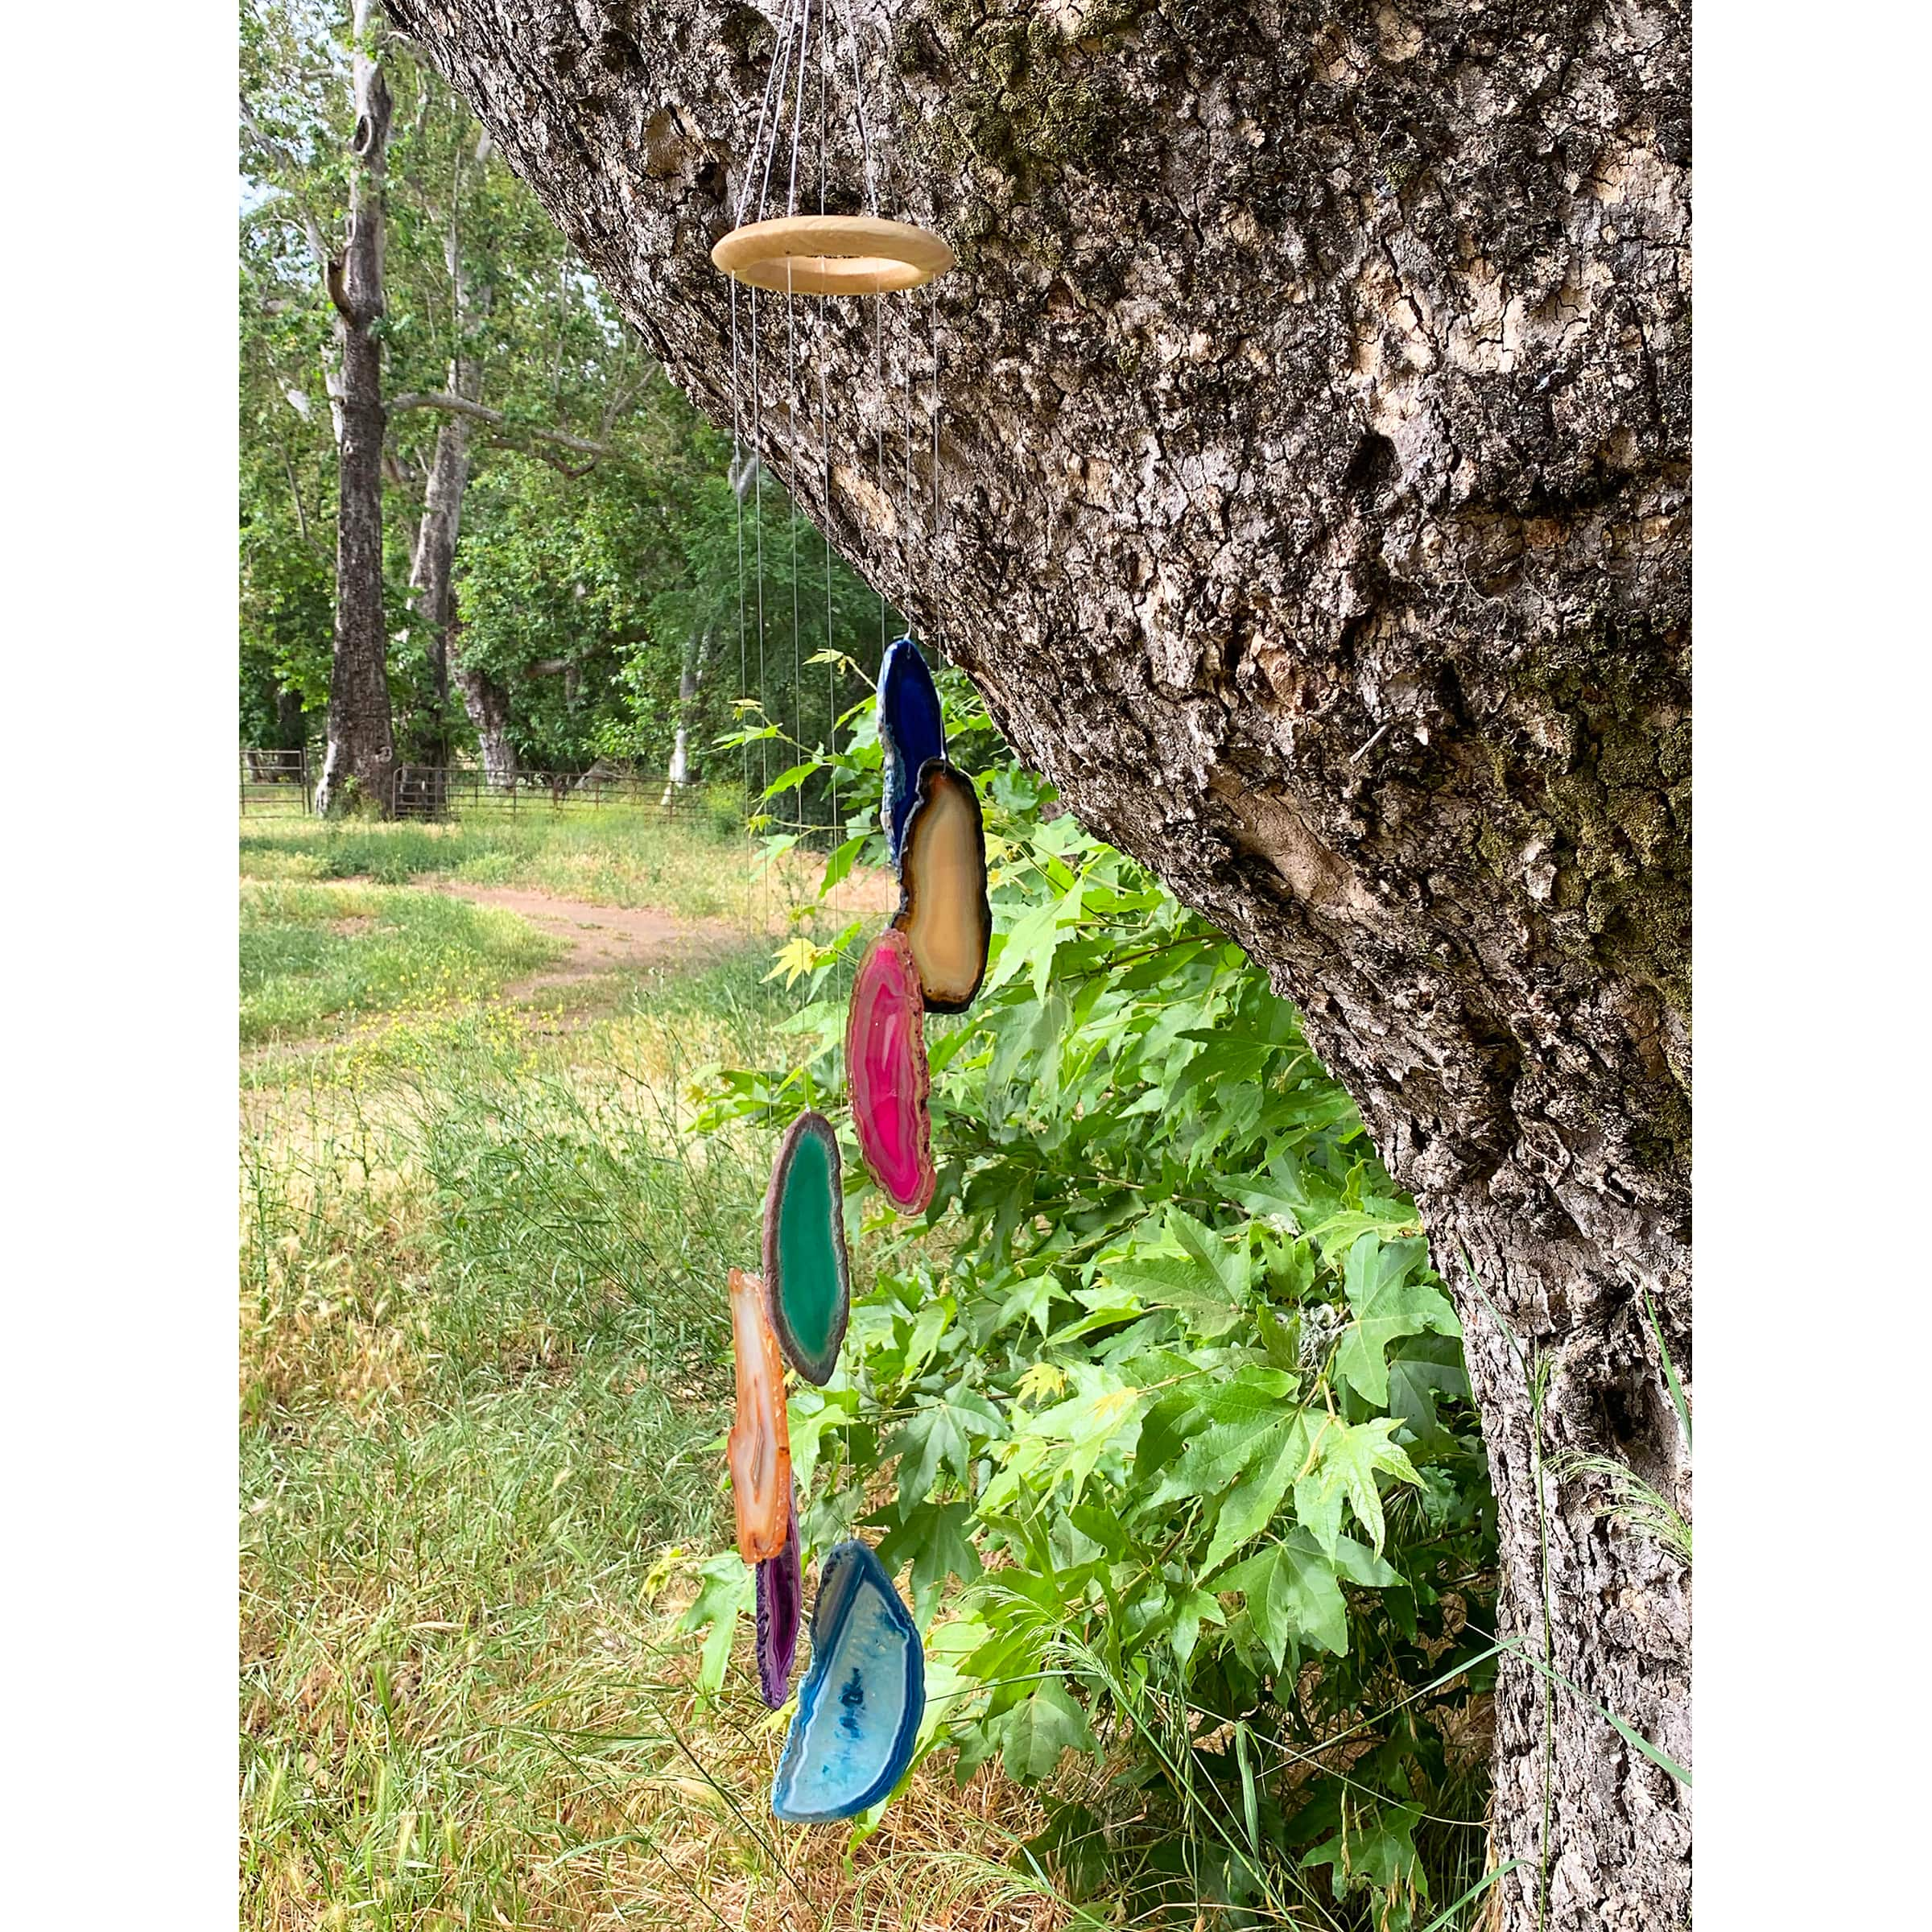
<point>312,953</point>
<point>483,1380</point>
<point>611,855</point>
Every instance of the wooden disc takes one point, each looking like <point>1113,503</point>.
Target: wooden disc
<point>832,255</point>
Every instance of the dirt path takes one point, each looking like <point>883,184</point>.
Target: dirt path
<point>603,940</point>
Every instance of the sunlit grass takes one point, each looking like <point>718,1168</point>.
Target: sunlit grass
<point>610,855</point>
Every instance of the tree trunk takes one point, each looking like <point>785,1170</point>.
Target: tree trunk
<point>1312,505</point>
<point>487,704</point>
<point>431,574</point>
<point>360,762</point>
<point>691,676</point>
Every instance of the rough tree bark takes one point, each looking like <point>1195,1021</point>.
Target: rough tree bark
<point>361,758</point>
<point>1312,505</point>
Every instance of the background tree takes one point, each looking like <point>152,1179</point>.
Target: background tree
<point>1313,484</point>
<point>561,536</point>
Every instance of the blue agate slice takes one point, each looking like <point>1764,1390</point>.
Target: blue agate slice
<point>861,1701</point>
<point>912,728</point>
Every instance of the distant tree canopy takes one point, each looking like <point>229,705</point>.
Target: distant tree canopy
<point>596,579</point>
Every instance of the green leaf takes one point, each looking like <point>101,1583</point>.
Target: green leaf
<point>809,1413</point>
<point>726,1593</point>
<point>934,1436</point>
<point>1190,1609</point>
<point>1207,1281</point>
<point>933,1537</point>
<point>1029,1301</point>
<point>839,862</point>
<point>1391,1298</point>
<point>1423,1368</point>
<point>1174,1281</point>
<point>1378,1853</point>
<point>1291,1590</point>
<point>1250,1505</point>
<point>787,779</point>
<point>1032,940</point>
<point>1048,1723</point>
<point>1347,1460</point>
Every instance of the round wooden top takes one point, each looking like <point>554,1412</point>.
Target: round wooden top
<point>832,255</point>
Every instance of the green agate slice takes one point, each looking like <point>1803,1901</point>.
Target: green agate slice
<point>807,1280</point>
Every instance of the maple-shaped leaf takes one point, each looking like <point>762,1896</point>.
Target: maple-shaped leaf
<point>1379,1849</point>
<point>1291,1590</point>
<point>932,1537</point>
<point>797,957</point>
<point>1048,1723</point>
<point>1347,1459</point>
<point>1256,1440</point>
<point>1423,1369</point>
<point>935,1434</point>
<point>1390,1298</point>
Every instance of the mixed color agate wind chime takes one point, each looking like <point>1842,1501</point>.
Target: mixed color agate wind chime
<point>860,1702</point>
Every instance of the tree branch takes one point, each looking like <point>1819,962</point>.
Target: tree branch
<point>274,151</point>
<point>461,405</point>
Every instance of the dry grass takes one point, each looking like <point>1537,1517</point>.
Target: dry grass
<point>482,1387</point>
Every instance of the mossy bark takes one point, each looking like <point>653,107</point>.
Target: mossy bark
<point>1309,496</point>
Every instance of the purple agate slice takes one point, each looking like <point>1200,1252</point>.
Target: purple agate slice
<point>780,1604</point>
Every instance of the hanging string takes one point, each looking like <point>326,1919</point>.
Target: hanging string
<point>782,68</point>
<point>878,391</point>
<point>932,535</point>
<point>905,307</point>
<point>797,686</point>
<point>758,525</point>
<point>757,137</point>
<point>831,669</point>
<point>858,102</point>
<point>797,120</point>
<point>735,478</point>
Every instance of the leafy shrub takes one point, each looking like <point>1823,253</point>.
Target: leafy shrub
<point>1183,1460</point>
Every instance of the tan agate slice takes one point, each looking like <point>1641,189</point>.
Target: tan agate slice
<point>759,1448</point>
<point>943,909</point>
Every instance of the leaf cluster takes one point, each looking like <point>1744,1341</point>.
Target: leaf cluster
<point>1172,1397</point>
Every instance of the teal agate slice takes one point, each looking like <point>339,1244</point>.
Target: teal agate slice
<point>861,1701</point>
<point>808,1282</point>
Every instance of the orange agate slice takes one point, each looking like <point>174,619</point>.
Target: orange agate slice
<point>759,1450</point>
<point>943,909</point>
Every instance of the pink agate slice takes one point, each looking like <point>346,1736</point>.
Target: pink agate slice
<point>886,1064</point>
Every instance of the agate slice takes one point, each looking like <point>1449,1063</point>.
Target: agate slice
<point>808,1283</point>
<point>780,1599</point>
<point>943,909</point>
<point>759,1448</point>
<point>859,1705</point>
<point>912,728</point>
<point>885,1065</point>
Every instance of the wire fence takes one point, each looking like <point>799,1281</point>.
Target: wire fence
<point>445,791</point>
<point>277,783</point>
